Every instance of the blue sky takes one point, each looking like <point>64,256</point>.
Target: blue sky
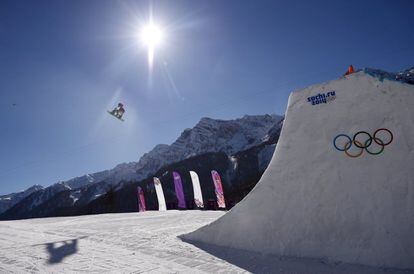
<point>64,63</point>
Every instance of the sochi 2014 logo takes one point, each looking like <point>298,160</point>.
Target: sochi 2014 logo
<point>362,140</point>
<point>322,98</point>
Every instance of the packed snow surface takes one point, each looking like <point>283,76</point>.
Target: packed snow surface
<point>143,242</point>
<point>135,243</point>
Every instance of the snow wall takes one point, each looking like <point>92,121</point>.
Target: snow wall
<point>315,201</point>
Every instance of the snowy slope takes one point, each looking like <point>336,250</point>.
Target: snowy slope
<point>137,243</point>
<point>314,201</point>
<point>109,243</point>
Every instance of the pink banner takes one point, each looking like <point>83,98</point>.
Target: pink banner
<point>218,189</point>
<point>141,199</point>
<point>179,190</point>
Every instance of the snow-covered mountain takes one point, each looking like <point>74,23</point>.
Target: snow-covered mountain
<point>9,200</point>
<point>36,198</point>
<point>98,182</point>
<point>209,135</point>
<point>124,171</point>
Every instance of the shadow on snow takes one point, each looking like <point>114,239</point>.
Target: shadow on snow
<point>61,249</point>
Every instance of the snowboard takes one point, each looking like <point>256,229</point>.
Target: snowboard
<point>115,116</point>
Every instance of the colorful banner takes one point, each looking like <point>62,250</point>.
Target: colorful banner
<point>160,194</point>
<point>218,189</point>
<point>141,199</point>
<point>198,197</point>
<point>179,190</point>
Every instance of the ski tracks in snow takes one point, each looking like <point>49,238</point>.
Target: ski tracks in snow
<point>127,243</point>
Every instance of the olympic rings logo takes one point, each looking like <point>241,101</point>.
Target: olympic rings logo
<point>364,145</point>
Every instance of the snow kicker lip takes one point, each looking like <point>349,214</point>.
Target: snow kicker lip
<point>365,144</point>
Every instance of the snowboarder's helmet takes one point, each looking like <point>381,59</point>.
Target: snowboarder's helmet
<point>120,104</point>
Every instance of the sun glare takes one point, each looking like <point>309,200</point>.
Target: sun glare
<point>151,36</point>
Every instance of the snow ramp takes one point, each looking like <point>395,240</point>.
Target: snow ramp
<point>317,201</point>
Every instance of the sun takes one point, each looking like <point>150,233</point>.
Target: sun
<point>151,35</point>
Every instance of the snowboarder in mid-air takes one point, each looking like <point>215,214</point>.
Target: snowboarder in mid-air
<point>118,111</point>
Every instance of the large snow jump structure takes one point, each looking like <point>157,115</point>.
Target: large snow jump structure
<point>317,201</point>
